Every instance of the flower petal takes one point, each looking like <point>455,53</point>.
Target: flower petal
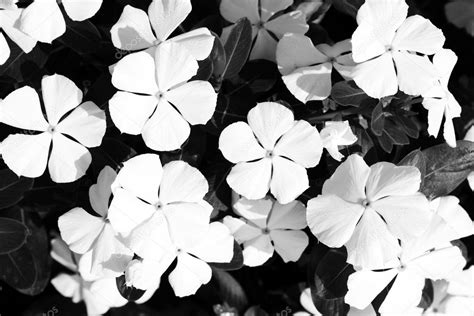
<point>233,10</point>
<point>166,129</point>
<point>62,254</point>
<point>269,7</point>
<point>255,211</point>
<point>43,21</point>
<point>417,34</point>
<point>257,251</point>
<point>289,244</point>
<point>364,285</point>
<point>167,15</point>
<point>86,124</point>
<point>416,74</point>
<point>372,246</point>
<point>80,229</point>
<point>195,100</point>
<point>22,109</point>
<point>332,220</point>
<point>217,245</point>
<point>80,10</point>
<point>349,179</point>
<point>60,95</point>
<point>174,65</point>
<point>264,47</point>
<point>136,73</point>
<point>387,179</point>
<point>237,143</point>
<point>100,192</point>
<point>291,22</point>
<point>199,42</point>
<point>4,50</point>
<point>407,217</point>
<point>302,144</point>
<point>68,285</point>
<point>182,183</point>
<point>377,77</point>
<point>188,276</point>
<point>289,180</point>
<point>9,21</point>
<point>241,231</point>
<point>269,121</point>
<point>455,217</point>
<point>310,83</point>
<point>444,62</point>
<point>26,155</point>
<point>133,30</point>
<point>288,216</point>
<point>131,119</point>
<point>289,58</point>
<point>251,179</point>
<point>439,264</point>
<point>141,176</point>
<point>436,108</point>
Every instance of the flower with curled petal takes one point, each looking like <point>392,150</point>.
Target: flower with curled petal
<point>306,71</point>
<point>392,49</point>
<point>335,134</point>
<point>367,209</point>
<point>70,128</point>
<point>132,31</point>
<point>267,24</point>
<point>271,152</point>
<point>267,226</point>
<point>157,99</point>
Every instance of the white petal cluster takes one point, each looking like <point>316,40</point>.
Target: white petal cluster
<point>335,134</point>
<point>157,99</point>
<point>266,226</point>
<point>267,23</point>
<point>27,154</point>
<point>271,152</point>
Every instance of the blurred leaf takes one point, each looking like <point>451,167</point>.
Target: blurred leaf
<point>447,167</point>
<point>347,93</point>
<point>349,7</point>
<point>128,292</point>
<point>12,188</point>
<point>82,37</point>
<point>237,48</point>
<point>236,263</point>
<point>12,235</point>
<point>28,268</point>
<point>256,311</point>
<point>230,290</point>
<point>260,75</point>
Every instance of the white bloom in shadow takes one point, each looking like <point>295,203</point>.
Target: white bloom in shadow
<point>335,134</point>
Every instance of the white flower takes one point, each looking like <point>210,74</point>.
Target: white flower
<point>27,154</point>
<point>270,152</point>
<point>335,134</point>
<point>43,20</point>
<point>9,19</point>
<point>386,36</point>
<point>307,70</point>
<point>470,137</point>
<point>133,32</point>
<point>439,101</point>
<point>98,294</point>
<point>266,24</point>
<point>84,232</point>
<point>8,4</point>
<point>431,256</point>
<point>137,274</point>
<point>158,101</point>
<point>461,14</point>
<point>267,226</point>
<point>368,210</point>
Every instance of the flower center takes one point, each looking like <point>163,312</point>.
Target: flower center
<point>51,129</point>
<point>365,203</point>
<point>265,231</point>
<point>269,154</point>
<point>402,267</point>
<point>158,205</point>
<point>260,25</point>
<point>159,95</point>
<point>389,48</point>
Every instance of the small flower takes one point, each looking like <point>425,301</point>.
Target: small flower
<point>430,255</point>
<point>386,44</point>
<point>99,294</point>
<point>439,101</point>
<point>84,232</point>
<point>9,19</point>
<point>267,24</point>
<point>267,226</point>
<point>335,134</point>
<point>270,152</point>
<point>307,70</point>
<point>368,209</point>
<point>132,31</point>
<point>43,20</point>
<point>461,14</point>
<point>158,101</point>
<point>27,155</point>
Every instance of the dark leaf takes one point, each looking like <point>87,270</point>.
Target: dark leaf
<point>111,152</point>
<point>12,188</point>
<point>386,142</point>
<point>349,7</point>
<point>230,290</point>
<point>447,167</point>
<point>22,66</point>
<point>347,93</point>
<point>82,37</point>
<point>128,292</point>
<point>218,56</point>
<point>237,48</point>
<point>12,235</point>
<point>427,295</point>
<point>260,75</point>
<point>205,70</point>
<point>377,121</point>
<point>397,136</point>
<point>236,263</point>
<point>256,311</point>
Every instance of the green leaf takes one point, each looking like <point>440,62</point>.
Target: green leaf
<point>447,167</point>
<point>230,290</point>
<point>347,93</point>
<point>218,56</point>
<point>237,48</point>
<point>12,188</point>
<point>12,235</point>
